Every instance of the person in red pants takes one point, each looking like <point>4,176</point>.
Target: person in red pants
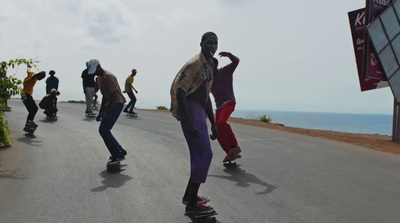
<point>222,90</point>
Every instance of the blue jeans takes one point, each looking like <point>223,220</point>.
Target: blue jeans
<point>105,129</point>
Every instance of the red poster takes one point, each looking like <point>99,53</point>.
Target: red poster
<point>357,26</point>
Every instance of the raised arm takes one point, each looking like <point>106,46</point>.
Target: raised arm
<point>234,59</point>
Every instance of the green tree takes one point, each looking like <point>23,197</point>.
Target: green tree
<point>9,86</point>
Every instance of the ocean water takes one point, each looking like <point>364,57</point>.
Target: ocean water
<point>341,122</point>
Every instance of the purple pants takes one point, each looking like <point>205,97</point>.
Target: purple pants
<point>199,146</point>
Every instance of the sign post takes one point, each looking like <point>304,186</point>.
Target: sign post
<point>396,122</point>
<point>384,33</point>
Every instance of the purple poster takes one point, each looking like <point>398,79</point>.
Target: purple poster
<point>357,26</point>
<point>371,67</point>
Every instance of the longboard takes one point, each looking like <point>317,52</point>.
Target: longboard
<point>230,162</point>
<point>29,132</point>
<point>132,114</point>
<point>53,118</point>
<point>91,116</point>
<point>203,217</point>
<point>114,167</point>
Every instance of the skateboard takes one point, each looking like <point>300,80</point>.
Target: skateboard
<point>115,167</point>
<point>230,163</point>
<point>208,217</point>
<point>91,115</point>
<point>52,118</point>
<point>29,131</point>
<point>132,114</point>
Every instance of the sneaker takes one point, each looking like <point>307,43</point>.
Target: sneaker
<point>232,154</point>
<point>200,199</point>
<point>31,124</point>
<point>234,151</point>
<point>28,129</point>
<point>116,160</point>
<point>124,152</point>
<point>199,209</point>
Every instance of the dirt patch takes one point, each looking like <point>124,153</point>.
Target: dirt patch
<point>374,141</point>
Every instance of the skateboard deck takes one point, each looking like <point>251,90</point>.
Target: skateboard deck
<point>29,132</point>
<point>53,118</point>
<point>91,116</point>
<point>209,217</point>
<point>132,115</point>
<point>230,161</point>
<point>116,167</point>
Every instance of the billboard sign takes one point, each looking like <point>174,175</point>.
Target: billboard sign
<point>357,26</point>
<point>384,33</point>
<point>371,67</point>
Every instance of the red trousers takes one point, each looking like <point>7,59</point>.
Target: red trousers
<point>226,138</point>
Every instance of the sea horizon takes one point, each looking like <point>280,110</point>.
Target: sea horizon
<point>341,122</point>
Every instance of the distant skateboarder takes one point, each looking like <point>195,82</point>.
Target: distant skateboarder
<point>129,90</point>
<point>49,104</point>
<point>29,83</point>
<point>89,90</point>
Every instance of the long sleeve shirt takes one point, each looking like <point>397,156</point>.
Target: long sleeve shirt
<point>222,88</point>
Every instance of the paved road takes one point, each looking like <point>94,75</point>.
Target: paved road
<point>282,177</point>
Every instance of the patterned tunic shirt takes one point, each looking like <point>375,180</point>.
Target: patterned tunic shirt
<point>189,79</point>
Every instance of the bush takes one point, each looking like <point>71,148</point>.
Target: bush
<point>161,108</point>
<point>264,118</point>
<point>9,86</point>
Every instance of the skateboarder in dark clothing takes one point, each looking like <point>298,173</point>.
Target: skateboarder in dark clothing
<point>191,105</point>
<point>111,107</point>
<point>89,90</point>
<point>51,82</point>
<point>49,103</point>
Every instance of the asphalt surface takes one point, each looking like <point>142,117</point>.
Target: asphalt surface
<point>60,174</point>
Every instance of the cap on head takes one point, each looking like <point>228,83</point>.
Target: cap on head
<point>92,65</point>
<point>52,72</point>
<point>133,70</point>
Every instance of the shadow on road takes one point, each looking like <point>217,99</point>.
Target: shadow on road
<point>244,179</point>
<point>111,180</point>
<point>89,119</point>
<point>30,140</point>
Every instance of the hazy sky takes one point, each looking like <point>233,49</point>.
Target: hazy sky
<point>294,55</point>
